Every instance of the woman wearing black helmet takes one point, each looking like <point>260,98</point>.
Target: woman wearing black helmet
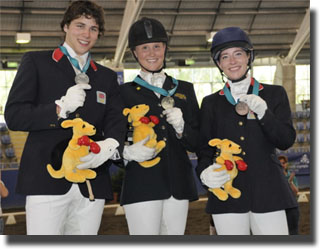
<point>156,199</point>
<point>258,118</point>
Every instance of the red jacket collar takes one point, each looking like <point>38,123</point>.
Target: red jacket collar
<point>221,92</point>
<point>58,54</point>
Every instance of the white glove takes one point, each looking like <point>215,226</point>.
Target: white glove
<point>255,103</point>
<point>214,179</point>
<point>175,118</point>
<point>138,152</point>
<point>107,149</point>
<point>73,99</point>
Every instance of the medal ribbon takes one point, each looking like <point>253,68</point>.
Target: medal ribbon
<point>75,61</point>
<point>230,98</point>
<point>161,91</point>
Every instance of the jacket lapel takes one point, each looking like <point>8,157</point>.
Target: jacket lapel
<point>63,64</point>
<point>144,91</point>
<point>168,84</point>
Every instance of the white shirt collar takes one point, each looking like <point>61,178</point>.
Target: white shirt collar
<point>73,54</point>
<point>240,88</point>
<point>154,79</point>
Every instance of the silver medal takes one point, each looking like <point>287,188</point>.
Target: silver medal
<point>242,108</point>
<point>167,102</point>
<point>81,78</point>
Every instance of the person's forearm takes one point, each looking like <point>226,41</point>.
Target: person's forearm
<point>3,190</point>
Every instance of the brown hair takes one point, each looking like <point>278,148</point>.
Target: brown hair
<point>88,9</point>
<point>283,157</point>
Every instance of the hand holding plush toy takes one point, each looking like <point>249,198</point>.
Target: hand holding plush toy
<point>78,147</point>
<point>143,133</point>
<point>223,172</point>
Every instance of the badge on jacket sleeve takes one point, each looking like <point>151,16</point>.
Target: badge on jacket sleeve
<point>101,97</point>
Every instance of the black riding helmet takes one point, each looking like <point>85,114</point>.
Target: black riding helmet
<point>231,37</point>
<point>147,30</point>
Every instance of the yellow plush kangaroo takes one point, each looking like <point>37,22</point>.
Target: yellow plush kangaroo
<point>143,127</point>
<point>230,163</point>
<point>78,147</point>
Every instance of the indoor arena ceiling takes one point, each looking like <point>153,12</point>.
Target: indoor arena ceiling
<point>278,28</point>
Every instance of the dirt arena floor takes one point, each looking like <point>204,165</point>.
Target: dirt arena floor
<point>197,224</point>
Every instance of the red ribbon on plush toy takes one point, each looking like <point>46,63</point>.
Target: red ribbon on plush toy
<point>85,140</point>
<point>151,118</point>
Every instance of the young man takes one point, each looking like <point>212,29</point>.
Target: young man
<point>51,86</point>
<point>156,199</point>
<point>258,118</point>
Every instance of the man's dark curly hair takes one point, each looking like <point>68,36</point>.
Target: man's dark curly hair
<point>88,9</point>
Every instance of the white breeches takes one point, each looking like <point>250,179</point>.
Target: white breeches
<point>159,217</point>
<point>273,223</point>
<point>68,214</point>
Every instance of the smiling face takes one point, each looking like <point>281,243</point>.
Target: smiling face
<point>234,62</point>
<point>81,34</point>
<point>150,55</point>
